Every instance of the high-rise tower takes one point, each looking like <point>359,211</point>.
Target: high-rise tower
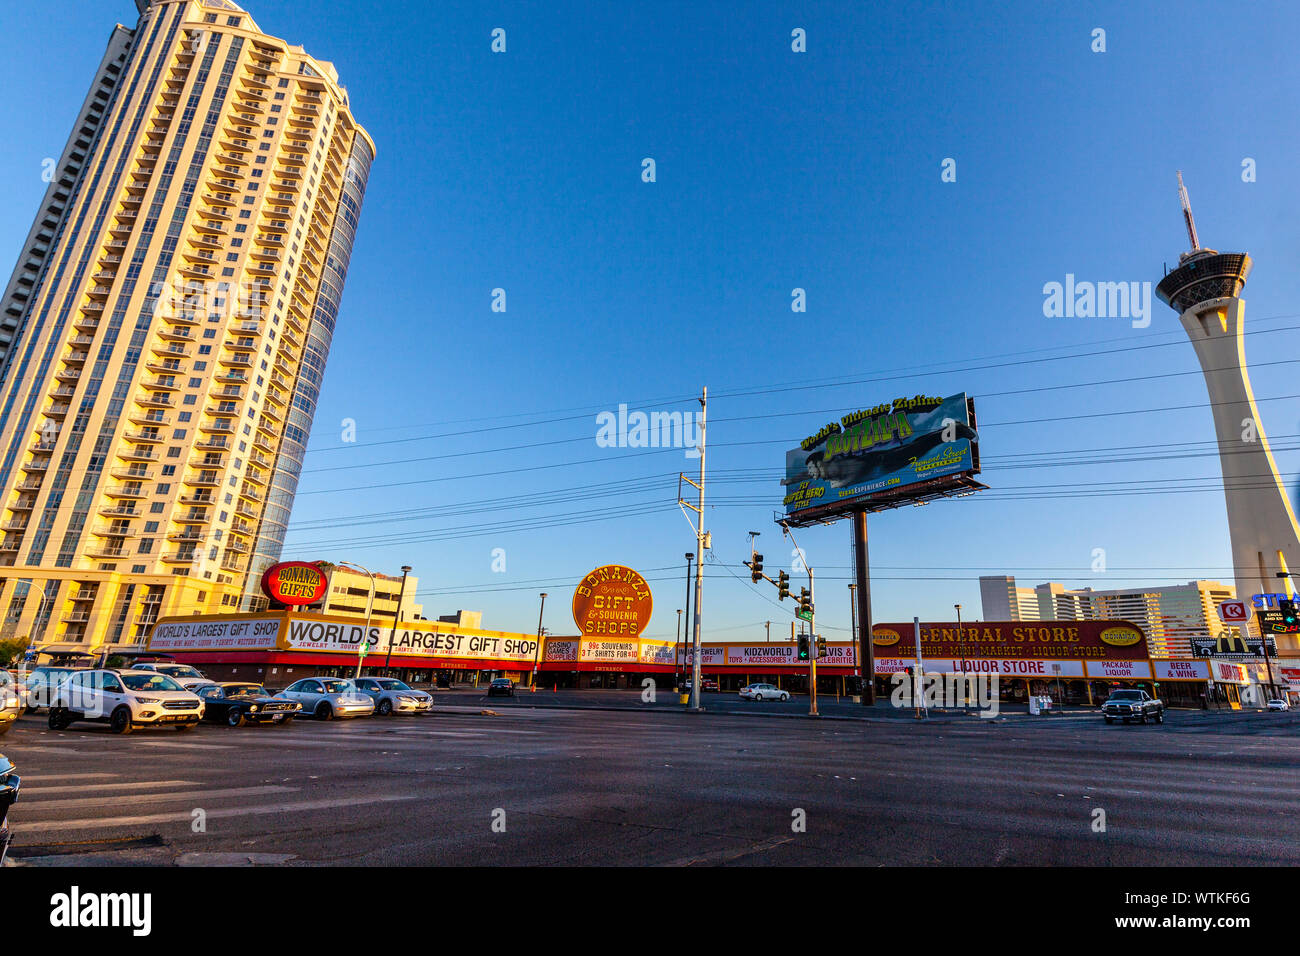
<point>171,334</point>
<point>1205,290</point>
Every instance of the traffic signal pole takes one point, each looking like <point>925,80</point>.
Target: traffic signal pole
<point>813,649</point>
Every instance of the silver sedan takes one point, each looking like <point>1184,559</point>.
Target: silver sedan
<point>392,696</point>
<point>328,697</point>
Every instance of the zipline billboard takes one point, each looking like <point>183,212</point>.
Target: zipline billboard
<point>881,457</point>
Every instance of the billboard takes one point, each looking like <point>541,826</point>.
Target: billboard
<point>1015,640</point>
<point>880,457</point>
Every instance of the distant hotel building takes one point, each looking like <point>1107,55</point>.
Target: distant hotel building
<point>166,329</point>
<point>1171,616</point>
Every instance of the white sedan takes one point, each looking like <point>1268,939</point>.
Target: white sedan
<point>763,692</point>
<point>1278,704</point>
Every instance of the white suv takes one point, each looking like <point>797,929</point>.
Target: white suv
<point>125,699</point>
<point>183,674</point>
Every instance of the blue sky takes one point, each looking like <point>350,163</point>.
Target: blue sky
<point>775,170</point>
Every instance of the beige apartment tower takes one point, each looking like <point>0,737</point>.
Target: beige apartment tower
<point>165,332</point>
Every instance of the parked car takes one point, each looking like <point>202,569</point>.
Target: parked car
<point>763,692</point>
<point>393,696</point>
<point>11,705</point>
<point>328,697</point>
<point>124,699</point>
<point>501,687</point>
<point>1129,705</point>
<point>706,683</point>
<point>236,703</point>
<point>9,786</point>
<point>1277,703</point>
<point>42,682</point>
<point>183,674</point>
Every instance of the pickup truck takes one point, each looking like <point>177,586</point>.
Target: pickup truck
<point>1129,705</point>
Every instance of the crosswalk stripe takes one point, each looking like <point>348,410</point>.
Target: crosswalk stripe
<point>184,745</point>
<point>37,804</point>
<point>184,816</point>
<point>91,785</point>
<point>42,777</point>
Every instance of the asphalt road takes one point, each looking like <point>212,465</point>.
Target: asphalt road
<point>544,785</point>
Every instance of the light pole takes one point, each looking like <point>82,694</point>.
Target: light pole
<point>961,644</point>
<point>397,614</point>
<point>853,625</point>
<point>537,651</point>
<point>40,609</point>
<point>690,556</point>
<point>370,606</point>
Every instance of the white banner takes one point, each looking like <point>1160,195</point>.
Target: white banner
<point>311,635</point>
<point>609,652</point>
<point>1181,670</point>
<point>1120,670</point>
<point>256,634</point>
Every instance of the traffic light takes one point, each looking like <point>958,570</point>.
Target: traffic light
<point>782,585</point>
<point>805,601</point>
<point>756,568</point>
<point>821,647</point>
<point>803,647</point>
<point>1290,614</point>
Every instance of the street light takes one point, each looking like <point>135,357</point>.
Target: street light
<point>370,606</point>
<point>961,644</point>
<point>853,625</point>
<point>537,651</point>
<point>397,613</point>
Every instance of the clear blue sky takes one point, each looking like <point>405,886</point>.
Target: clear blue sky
<point>775,170</point>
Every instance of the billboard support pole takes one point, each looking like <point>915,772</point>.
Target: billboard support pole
<point>866,653</point>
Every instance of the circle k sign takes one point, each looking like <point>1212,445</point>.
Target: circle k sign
<point>1233,612</point>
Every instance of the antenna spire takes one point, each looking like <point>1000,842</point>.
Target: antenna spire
<point>1187,213</point>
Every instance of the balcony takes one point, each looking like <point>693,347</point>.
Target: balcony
<point>201,498</point>
<point>109,551</point>
<point>137,454</point>
<point>121,511</point>
<point>125,491</point>
<point>156,401</point>
<point>179,557</point>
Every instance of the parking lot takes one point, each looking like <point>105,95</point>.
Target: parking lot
<point>530,784</point>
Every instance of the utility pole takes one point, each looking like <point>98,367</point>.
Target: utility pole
<point>701,542</point>
<point>768,639</point>
<point>537,651</point>
<point>397,616</point>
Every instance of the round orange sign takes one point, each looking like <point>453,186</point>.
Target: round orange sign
<point>294,582</point>
<point>612,601</point>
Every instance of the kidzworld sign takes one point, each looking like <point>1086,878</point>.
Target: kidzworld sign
<point>906,448</point>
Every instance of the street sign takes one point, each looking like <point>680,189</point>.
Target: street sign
<point>1233,612</point>
<point>804,615</point>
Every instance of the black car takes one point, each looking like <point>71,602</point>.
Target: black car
<point>501,687</point>
<point>236,703</point>
<point>1129,705</point>
<point>9,784</point>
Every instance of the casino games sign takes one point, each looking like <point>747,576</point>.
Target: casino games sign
<point>295,583</point>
